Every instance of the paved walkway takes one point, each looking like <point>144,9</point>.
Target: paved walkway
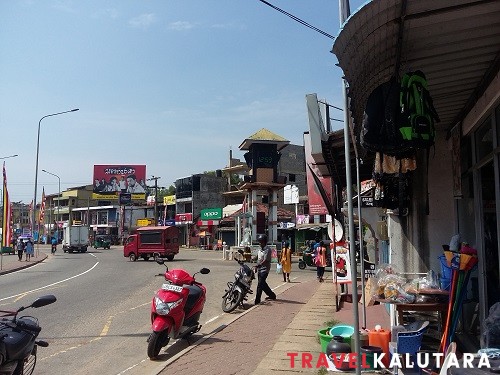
<point>10,262</point>
<point>258,341</point>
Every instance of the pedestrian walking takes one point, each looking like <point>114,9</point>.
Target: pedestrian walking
<point>320,260</point>
<point>286,261</point>
<point>262,269</point>
<point>20,249</point>
<point>29,250</point>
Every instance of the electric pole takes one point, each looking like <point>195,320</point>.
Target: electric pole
<point>156,196</point>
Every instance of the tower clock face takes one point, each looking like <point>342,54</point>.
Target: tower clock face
<point>265,160</point>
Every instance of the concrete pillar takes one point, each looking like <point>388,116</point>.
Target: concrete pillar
<point>253,220</point>
<point>273,217</point>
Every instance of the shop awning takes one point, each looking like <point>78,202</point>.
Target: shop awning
<point>315,227</point>
<point>456,43</point>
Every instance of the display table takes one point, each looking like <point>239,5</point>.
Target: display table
<point>441,308</point>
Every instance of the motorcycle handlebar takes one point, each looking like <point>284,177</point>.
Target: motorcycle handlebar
<point>28,327</point>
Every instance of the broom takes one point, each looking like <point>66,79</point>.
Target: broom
<point>470,264</point>
<point>453,260</point>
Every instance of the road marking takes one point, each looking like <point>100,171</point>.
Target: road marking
<point>50,285</point>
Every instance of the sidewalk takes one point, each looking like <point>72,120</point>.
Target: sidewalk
<point>258,341</point>
<point>10,262</point>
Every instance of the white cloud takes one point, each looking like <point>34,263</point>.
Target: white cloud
<point>143,21</point>
<point>181,25</point>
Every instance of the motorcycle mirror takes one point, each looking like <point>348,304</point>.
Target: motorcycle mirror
<point>43,301</point>
<point>238,257</point>
<point>204,271</point>
<point>240,251</point>
<point>160,260</point>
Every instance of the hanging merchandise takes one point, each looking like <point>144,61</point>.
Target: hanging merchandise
<point>380,128</point>
<point>392,186</point>
<point>417,111</point>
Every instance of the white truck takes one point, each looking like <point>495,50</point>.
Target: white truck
<point>75,238</point>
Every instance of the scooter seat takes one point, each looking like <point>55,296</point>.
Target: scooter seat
<point>194,295</point>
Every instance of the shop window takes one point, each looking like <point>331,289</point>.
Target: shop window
<point>102,218</point>
<point>484,140</point>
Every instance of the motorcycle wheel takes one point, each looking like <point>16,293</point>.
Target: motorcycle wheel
<point>156,341</point>
<point>302,265</point>
<point>27,366</point>
<point>231,301</point>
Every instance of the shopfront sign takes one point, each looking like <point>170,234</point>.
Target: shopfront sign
<point>182,219</point>
<point>211,214</point>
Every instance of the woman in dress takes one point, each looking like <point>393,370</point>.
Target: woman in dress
<point>286,261</point>
<point>30,250</point>
<point>320,261</point>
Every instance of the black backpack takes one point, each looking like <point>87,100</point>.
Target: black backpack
<point>417,111</point>
<point>380,130</point>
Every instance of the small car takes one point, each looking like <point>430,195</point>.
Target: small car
<point>102,241</point>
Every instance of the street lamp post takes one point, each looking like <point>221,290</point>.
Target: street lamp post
<point>58,201</point>
<point>36,166</point>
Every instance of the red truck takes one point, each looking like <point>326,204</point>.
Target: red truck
<point>156,242</point>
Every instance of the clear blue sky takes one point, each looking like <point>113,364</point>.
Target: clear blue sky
<point>169,84</point>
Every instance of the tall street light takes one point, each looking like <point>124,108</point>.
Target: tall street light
<point>11,156</point>
<point>58,200</point>
<point>36,166</point>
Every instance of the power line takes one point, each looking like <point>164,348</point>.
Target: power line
<point>298,19</point>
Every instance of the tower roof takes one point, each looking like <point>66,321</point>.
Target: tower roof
<point>264,136</point>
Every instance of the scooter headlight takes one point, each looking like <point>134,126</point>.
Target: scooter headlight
<point>163,308</point>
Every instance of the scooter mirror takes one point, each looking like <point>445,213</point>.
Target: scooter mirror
<point>160,260</point>
<point>238,256</point>
<point>43,301</point>
<point>204,271</point>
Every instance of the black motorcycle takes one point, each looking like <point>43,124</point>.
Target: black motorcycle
<point>18,343</point>
<point>237,291</point>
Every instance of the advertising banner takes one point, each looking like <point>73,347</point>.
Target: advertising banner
<point>211,214</point>
<point>181,219</point>
<point>169,200</point>
<point>316,204</point>
<point>110,180</point>
<point>342,262</point>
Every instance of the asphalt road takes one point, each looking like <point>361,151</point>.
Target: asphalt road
<point>100,322</point>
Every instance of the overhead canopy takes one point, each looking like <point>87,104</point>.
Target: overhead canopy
<point>456,43</point>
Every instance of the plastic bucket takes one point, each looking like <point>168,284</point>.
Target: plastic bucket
<point>324,338</point>
<point>368,353</point>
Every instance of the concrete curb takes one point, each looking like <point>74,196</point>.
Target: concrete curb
<point>43,256</point>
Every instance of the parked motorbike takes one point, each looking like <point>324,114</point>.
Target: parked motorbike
<point>237,291</point>
<point>18,343</point>
<point>176,308</point>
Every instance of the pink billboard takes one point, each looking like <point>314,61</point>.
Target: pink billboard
<point>124,178</point>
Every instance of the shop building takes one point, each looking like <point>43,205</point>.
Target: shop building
<point>455,188</point>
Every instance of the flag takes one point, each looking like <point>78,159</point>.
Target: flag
<point>42,208</point>
<point>7,213</point>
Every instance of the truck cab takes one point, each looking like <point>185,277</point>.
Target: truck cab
<point>156,242</point>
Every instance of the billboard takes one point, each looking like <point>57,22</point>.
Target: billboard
<point>317,205</point>
<point>111,180</point>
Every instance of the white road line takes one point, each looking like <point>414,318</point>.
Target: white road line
<point>50,285</point>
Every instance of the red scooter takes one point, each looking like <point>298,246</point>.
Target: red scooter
<point>176,308</point>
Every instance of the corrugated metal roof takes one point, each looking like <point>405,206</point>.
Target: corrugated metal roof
<point>264,136</point>
<point>456,43</point>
